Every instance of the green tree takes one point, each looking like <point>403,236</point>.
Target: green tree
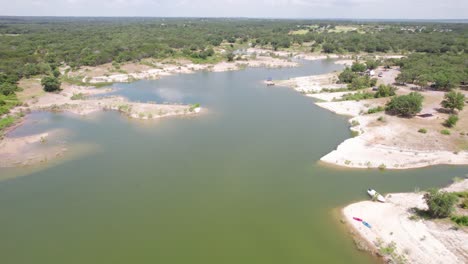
<point>230,56</point>
<point>451,121</point>
<point>347,75</point>
<point>444,81</point>
<point>50,83</point>
<point>385,91</point>
<point>56,73</point>
<point>7,88</point>
<point>359,82</point>
<point>372,64</point>
<point>358,67</point>
<point>453,100</point>
<point>405,105</point>
<point>440,204</point>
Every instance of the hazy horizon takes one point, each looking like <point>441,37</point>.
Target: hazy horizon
<point>270,9</point>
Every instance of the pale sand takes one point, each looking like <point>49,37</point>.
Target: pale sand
<point>419,241</point>
<point>29,149</point>
<point>312,84</point>
<point>262,59</point>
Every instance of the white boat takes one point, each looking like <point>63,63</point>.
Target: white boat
<point>376,195</point>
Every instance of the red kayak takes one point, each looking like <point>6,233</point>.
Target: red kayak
<point>357,219</point>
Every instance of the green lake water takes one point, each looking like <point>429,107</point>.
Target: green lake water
<point>239,183</point>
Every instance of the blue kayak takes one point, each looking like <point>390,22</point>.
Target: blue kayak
<point>366,224</point>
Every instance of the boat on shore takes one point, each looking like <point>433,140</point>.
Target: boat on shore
<point>375,195</point>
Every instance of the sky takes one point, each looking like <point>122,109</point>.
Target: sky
<point>365,9</point>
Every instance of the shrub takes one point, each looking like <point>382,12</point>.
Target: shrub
<point>405,105</point>
<point>453,100</point>
<point>193,107</point>
<point>356,96</point>
<point>422,130</point>
<point>358,67</point>
<point>451,121</point>
<point>359,82</point>
<point>460,219</point>
<point>464,203</point>
<point>50,84</point>
<point>440,203</point>
<point>347,76</point>
<point>445,132</point>
<point>78,96</point>
<point>385,91</point>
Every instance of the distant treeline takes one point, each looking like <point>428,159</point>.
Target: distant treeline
<point>31,45</point>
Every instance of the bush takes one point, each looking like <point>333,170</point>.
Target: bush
<point>460,219</point>
<point>440,204</point>
<point>50,84</point>
<point>78,96</point>
<point>356,96</point>
<point>358,67</point>
<point>385,91</point>
<point>453,100</point>
<point>422,130</point>
<point>347,76</point>
<point>359,82</point>
<point>445,132</point>
<point>405,105</point>
<point>451,121</point>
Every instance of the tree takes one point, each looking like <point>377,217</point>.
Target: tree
<point>422,81</point>
<point>347,76</point>
<point>359,82</point>
<point>50,83</point>
<point>56,73</point>
<point>230,56</point>
<point>453,100</point>
<point>358,67</point>
<point>443,81</point>
<point>7,88</point>
<point>451,121</point>
<point>405,105</point>
<point>440,204</point>
<point>372,64</point>
<point>385,91</point>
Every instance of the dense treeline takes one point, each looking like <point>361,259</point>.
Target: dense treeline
<point>32,46</point>
<point>441,71</point>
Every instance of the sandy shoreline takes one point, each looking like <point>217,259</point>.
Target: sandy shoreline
<point>384,141</point>
<point>43,147</point>
<point>416,241</point>
<point>157,70</point>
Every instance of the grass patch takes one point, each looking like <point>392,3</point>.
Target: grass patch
<point>375,109</point>
<point>445,132</point>
<point>78,96</point>
<point>461,220</point>
<point>357,96</point>
<point>422,130</point>
<point>6,122</point>
<point>7,102</point>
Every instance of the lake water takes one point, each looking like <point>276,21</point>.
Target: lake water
<point>239,183</point>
